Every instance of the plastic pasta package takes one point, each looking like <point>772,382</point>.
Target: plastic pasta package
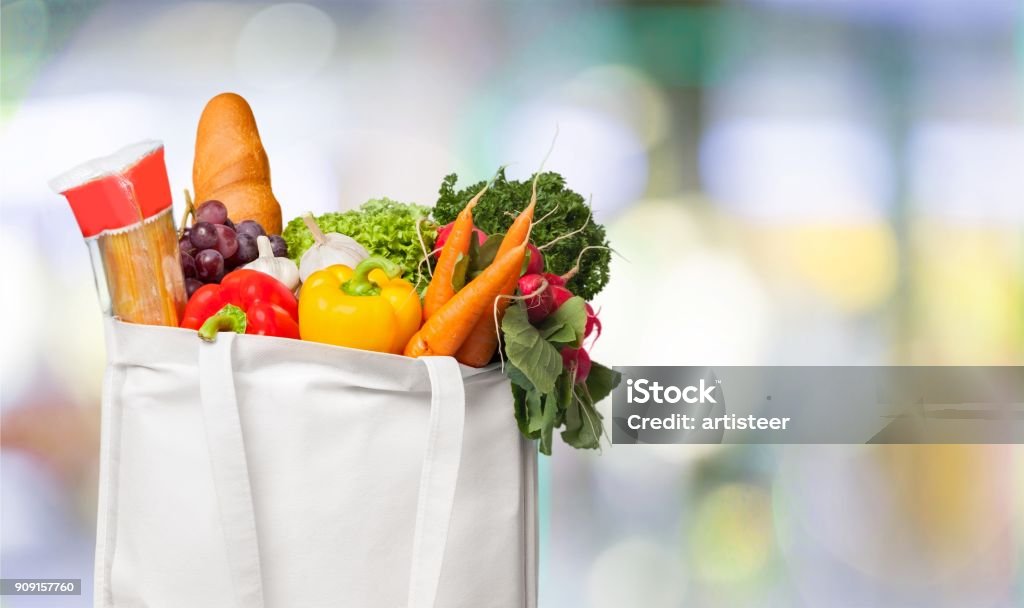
<point>122,203</point>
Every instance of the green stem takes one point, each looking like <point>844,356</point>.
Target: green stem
<point>360,283</point>
<point>229,318</point>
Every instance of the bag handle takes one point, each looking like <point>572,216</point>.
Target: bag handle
<point>438,478</point>
<point>230,469</point>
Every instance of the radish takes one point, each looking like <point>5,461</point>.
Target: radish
<point>592,323</point>
<point>558,291</point>
<point>535,265</point>
<point>559,295</point>
<point>554,279</point>
<point>444,231</point>
<point>442,236</point>
<point>576,360</point>
<point>539,301</point>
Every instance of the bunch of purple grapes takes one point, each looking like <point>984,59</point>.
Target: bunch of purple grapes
<point>214,245</point>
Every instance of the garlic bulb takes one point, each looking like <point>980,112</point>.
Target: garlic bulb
<point>329,249</point>
<point>282,269</point>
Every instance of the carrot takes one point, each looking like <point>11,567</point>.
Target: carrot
<point>478,349</point>
<point>448,328</point>
<point>440,289</point>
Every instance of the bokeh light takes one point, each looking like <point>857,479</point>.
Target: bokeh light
<point>969,172</point>
<point>626,93</point>
<point>965,309</point>
<point>284,45</point>
<point>635,572</point>
<point>25,35</point>
<point>807,169</point>
<point>895,517</point>
<point>851,265</point>
<point>703,302</point>
<point>731,535</point>
<point>19,349</point>
<point>596,152</point>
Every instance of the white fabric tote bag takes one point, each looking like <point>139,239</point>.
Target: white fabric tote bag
<point>258,472</point>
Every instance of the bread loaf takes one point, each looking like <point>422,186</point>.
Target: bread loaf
<point>231,165</point>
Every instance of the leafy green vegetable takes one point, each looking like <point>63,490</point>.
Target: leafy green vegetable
<point>383,226</point>
<point>480,257</point>
<point>522,414</point>
<point>567,324</point>
<point>517,377</point>
<point>601,381</point>
<point>546,421</point>
<point>545,394</point>
<point>528,352</point>
<point>568,213</point>
<point>583,423</point>
<point>537,414</point>
<point>484,254</point>
<point>459,278</point>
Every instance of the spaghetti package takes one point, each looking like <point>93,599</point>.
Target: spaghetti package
<point>122,203</point>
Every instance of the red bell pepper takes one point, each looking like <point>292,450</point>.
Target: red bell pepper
<point>262,305</point>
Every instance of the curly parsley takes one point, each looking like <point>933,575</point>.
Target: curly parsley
<point>506,198</point>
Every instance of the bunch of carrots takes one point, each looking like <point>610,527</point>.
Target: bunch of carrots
<point>464,324</point>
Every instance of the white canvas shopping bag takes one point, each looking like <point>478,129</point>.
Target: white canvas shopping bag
<point>261,472</point>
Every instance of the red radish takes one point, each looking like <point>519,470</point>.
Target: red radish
<point>559,294</point>
<point>442,235</point>
<point>554,279</point>
<point>535,265</point>
<point>444,231</point>
<point>539,301</point>
<point>592,323</point>
<point>576,359</point>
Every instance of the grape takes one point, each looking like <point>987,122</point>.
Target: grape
<point>230,224</point>
<point>209,266</point>
<point>212,211</point>
<point>188,265</point>
<point>191,285</point>
<point>251,227</point>
<point>227,241</point>
<point>185,245</point>
<point>280,247</point>
<point>203,235</point>
<point>247,250</point>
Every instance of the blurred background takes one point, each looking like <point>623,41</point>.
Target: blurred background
<point>791,181</point>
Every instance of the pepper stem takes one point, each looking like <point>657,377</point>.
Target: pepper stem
<point>360,283</point>
<point>229,318</point>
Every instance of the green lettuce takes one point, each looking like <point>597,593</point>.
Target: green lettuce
<point>384,227</point>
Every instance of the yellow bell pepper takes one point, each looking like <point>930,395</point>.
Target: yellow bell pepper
<point>368,307</point>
